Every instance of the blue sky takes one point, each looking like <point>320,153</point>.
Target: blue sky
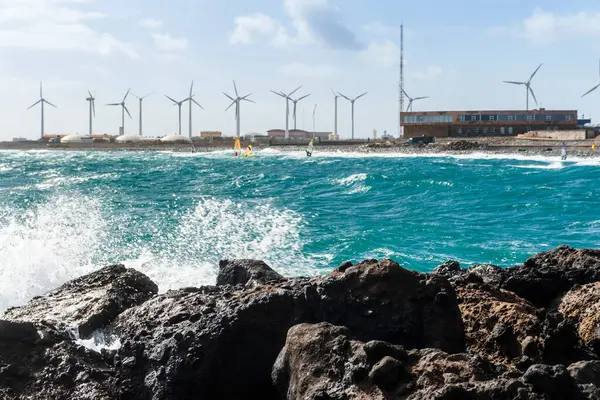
<point>458,53</point>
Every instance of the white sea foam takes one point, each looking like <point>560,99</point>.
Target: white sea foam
<point>47,245</point>
<point>97,342</point>
<point>221,229</point>
<point>348,181</point>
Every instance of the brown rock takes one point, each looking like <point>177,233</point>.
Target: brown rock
<point>581,305</point>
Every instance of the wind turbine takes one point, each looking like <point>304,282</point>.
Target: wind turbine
<point>141,99</point>
<point>178,104</point>
<point>287,108</point>
<point>591,90</point>
<point>352,102</point>
<point>237,101</point>
<point>412,99</point>
<point>295,104</point>
<point>123,110</point>
<point>92,102</point>
<point>527,86</point>
<point>335,121</point>
<point>41,101</point>
<point>191,98</point>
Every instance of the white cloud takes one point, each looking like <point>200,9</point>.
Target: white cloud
<point>384,53</point>
<point>313,21</point>
<point>254,27</point>
<point>429,72</point>
<point>169,44</point>
<point>55,25</point>
<point>378,28</point>
<point>305,71</point>
<point>546,27</point>
<point>150,23</point>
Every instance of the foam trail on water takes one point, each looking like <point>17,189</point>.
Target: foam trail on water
<point>45,246</point>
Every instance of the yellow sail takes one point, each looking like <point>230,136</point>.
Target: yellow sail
<point>237,149</point>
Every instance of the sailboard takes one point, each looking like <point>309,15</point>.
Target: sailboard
<point>309,149</point>
<point>237,150</point>
<point>249,152</point>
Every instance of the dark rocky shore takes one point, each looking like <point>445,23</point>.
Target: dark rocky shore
<point>372,330</point>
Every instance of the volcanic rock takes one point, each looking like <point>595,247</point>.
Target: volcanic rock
<point>88,303</point>
<point>322,361</point>
<point>195,340</point>
<point>581,305</point>
<point>39,363</point>
<point>245,272</point>
<point>547,275</point>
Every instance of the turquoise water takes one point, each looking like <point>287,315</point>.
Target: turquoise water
<point>175,215</point>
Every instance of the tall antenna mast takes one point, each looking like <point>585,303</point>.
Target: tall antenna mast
<point>401,91</point>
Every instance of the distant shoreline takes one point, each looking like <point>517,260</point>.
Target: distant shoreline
<point>492,145</point>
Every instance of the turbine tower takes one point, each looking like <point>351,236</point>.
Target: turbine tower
<point>191,98</point>
<point>123,110</point>
<point>295,104</point>
<point>412,99</point>
<point>141,99</point>
<point>92,102</point>
<point>592,89</point>
<point>287,108</point>
<point>178,104</point>
<point>237,101</point>
<point>352,102</point>
<point>335,118</point>
<point>528,88</point>
<point>41,101</point>
<point>401,94</point>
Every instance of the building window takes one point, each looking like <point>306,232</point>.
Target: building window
<point>548,117</point>
<point>473,117</point>
<point>492,118</point>
<point>468,131</point>
<point>510,130</point>
<point>510,117</point>
<point>459,131</point>
<point>529,117</point>
<point>493,131</point>
<point>485,131</point>
<point>502,130</point>
<point>422,119</point>
<point>461,117</point>
<point>567,118</point>
<point>476,131</point>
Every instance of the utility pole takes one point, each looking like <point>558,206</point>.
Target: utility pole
<point>401,91</point>
<point>314,112</point>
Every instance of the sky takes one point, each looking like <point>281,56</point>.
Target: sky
<point>457,53</point>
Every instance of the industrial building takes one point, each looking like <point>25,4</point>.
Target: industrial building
<point>298,134</point>
<point>485,123</point>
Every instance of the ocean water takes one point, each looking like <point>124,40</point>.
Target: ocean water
<point>175,215</point>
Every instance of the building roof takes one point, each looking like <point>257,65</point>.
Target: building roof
<point>537,111</point>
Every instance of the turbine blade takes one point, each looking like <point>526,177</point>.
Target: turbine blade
<point>143,97</point>
<point>591,90</point>
<point>46,101</point>
<point>533,94</point>
<point>229,97</point>
<point>235,89</point>
<point>361,96</point>
<point>334,93</point>
<point>136,96</point>
<point>125,107</point>
<point>515,83</point>
<point>404,91</point>
<point>94,108</point>
<point>303,97</point>
<point>346,97</point>
<point>34,104</point>
<point>278,94</point>
<point>114,104</point>
<point>298,88</point>
<point>534,72</point>
<point>246,96</point>
<point>191,88</point>
<point>126,94</point>
<point>41,95</point>
<point>421,98</point>
<point>90,93</point>
<point>173,100</point>
<point>232,103</point>
<point>248,100</point>
<point>198,104</point>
